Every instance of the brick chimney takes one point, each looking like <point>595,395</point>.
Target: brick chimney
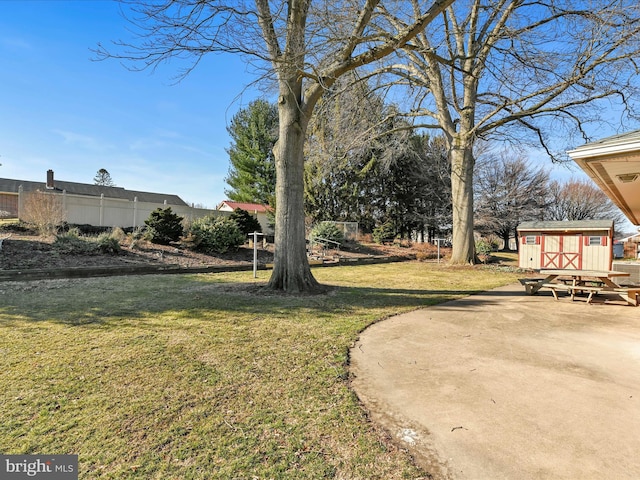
<point>50,184</point>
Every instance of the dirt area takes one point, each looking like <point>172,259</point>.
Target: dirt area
<point>24,252</point>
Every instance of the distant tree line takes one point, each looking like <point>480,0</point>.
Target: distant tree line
<point>364,163</point>
<point>509,190</point>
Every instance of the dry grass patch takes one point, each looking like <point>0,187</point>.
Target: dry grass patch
<point>203,377</point>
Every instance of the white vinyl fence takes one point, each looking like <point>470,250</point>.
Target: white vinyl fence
<point>115,212</point>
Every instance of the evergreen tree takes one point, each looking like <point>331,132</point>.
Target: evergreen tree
<point>418,178</point>
<point>164,226</point>
<point>252,174</point>
<point>246,222</point>
<point>365,165</point>
<point>103,178</point>
<point>342,171</point>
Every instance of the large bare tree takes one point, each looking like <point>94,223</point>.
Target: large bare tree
<point>305,45</point>
<point>508,190</point>
<point>527,72</point>
<point>578,199</point>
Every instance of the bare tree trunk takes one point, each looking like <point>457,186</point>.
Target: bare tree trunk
<point>291,272</point>
<point>303,44</point>
<point>505,239</point>
<point>464,250</point>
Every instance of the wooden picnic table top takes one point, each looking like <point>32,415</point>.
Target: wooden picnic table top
<point>630,295</point>
<point>584,273</point>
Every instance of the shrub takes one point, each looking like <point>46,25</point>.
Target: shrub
<point>136,237</point>
<point>71,243</point>
<point>118,234</point>
<point>86,229</point>
<point>327,231</point>
<point>45,211</point>
<point>164,226</point>
<point>109,242</point>
<point>246,222</point>
<point>429,251</point>
<point>384,233</point>
<point>18,227</point>
<point>138,233</point>
<point>215,235</point>
<point>484,247</point>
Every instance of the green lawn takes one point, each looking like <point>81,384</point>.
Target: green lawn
<point>205,376</point>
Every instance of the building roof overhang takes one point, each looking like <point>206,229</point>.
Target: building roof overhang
<point>613,163</point>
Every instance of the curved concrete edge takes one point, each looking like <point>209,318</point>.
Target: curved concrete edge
<point>507,385</point>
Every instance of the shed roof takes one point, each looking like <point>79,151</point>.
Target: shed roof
<point>580,225</point>
<point>8,185</point>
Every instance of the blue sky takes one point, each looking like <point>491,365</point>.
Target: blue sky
<point>60,110</point>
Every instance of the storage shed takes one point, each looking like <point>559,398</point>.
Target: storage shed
<point>576,245</point>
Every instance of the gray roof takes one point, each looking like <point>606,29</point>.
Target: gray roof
<point>567,225</point>
<point>621,138</point>
<point>8,185</point>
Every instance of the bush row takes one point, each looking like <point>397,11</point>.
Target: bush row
<point>207,234</point>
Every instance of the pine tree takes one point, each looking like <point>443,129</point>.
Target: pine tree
<point>103,178</point>
<point>252,174</point>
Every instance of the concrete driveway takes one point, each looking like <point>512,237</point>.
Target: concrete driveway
<point>506,385</point>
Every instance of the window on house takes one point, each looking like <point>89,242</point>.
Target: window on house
<point>595,241</point>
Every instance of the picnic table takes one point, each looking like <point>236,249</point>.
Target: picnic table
<point>591,282</point>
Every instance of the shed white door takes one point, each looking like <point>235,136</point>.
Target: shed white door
<point>561,251</point>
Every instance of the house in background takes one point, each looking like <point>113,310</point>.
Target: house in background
<point>574,245</point>
<point>87,204</point>
<point>258,210</point>
<point>629,246</point>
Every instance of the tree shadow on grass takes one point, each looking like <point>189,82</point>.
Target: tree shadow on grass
<point>111,303</point>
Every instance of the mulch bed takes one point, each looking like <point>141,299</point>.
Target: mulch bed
<point>27,253</point>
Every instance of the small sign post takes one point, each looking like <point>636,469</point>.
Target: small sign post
<point>255,252</point>
<point>438,240</point>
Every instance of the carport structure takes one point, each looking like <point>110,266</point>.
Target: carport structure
<point>613,163</point>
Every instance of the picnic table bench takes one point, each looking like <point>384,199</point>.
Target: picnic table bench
<point>591,282</point>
